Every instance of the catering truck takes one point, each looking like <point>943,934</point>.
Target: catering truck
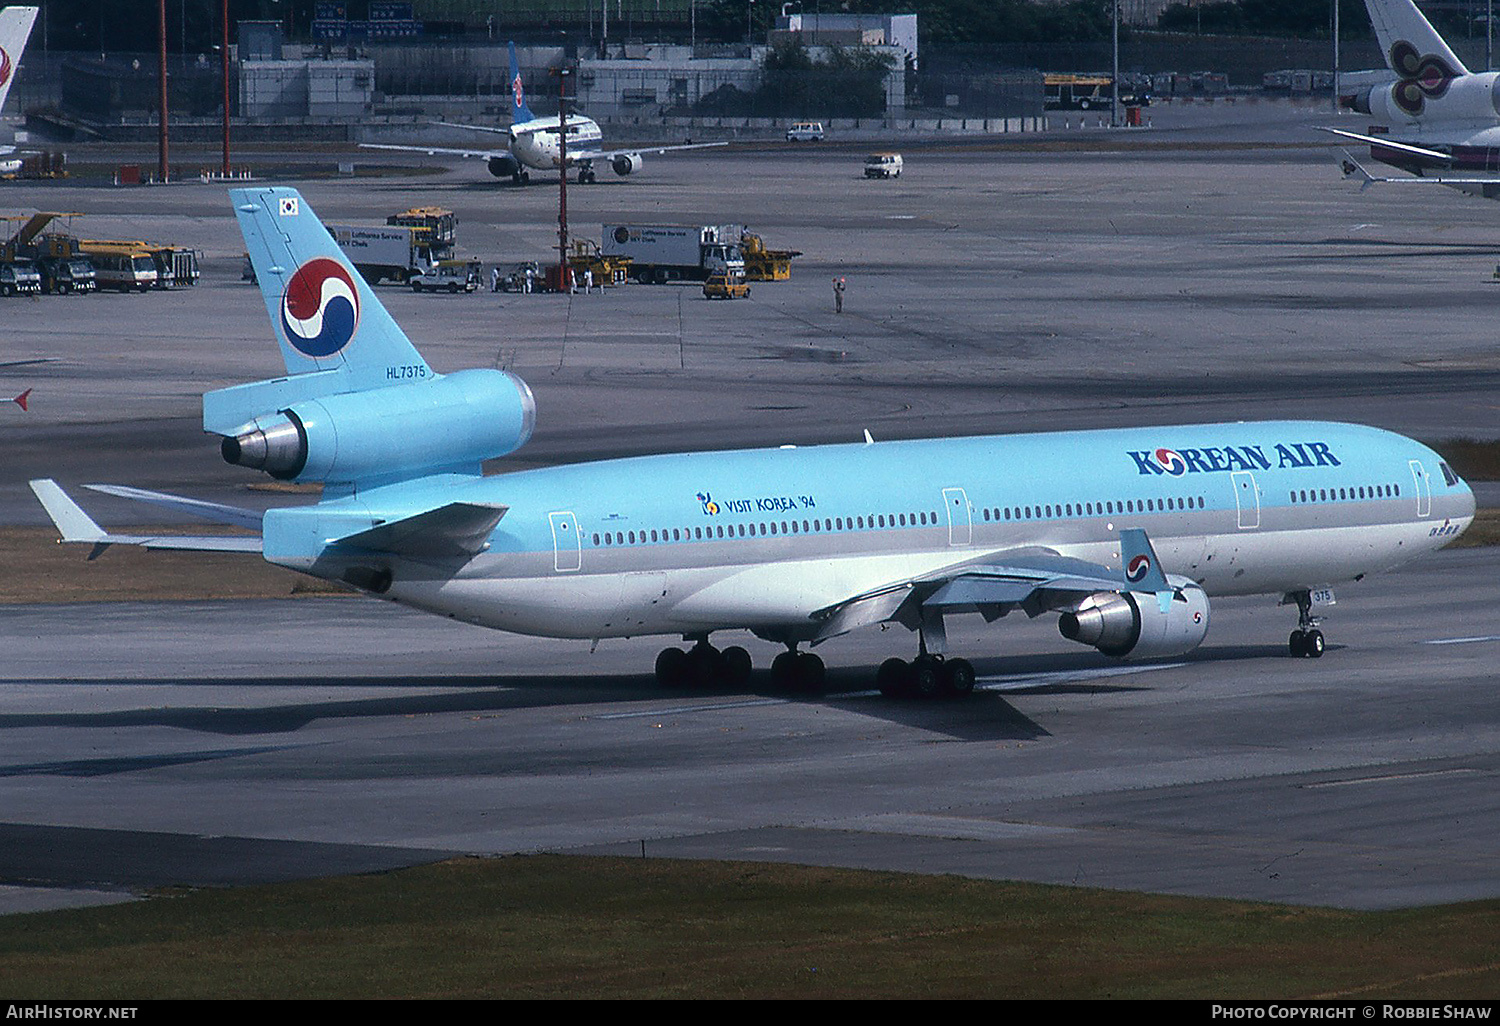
<point>673,252</point>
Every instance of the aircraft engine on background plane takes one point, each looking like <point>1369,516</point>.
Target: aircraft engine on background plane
<point>505,166</point>
<point>1468,97</point>
<point>459,419</point>
<point>1133,623</point>
<point>626,163</point>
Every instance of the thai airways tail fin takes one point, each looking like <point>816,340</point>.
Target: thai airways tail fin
<point>518,110</point>
<point>15,27</point>
<point>1412,47</point>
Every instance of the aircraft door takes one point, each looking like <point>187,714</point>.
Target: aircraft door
<point>1246,499</point>
<point>960,523</point>
<point>1424,490</point>
<point>567,547</point>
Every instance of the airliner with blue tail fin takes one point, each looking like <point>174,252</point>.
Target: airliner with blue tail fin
<point>536,143</point>
<point>1124,534</point>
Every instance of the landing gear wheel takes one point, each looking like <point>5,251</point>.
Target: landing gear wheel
<point>704,665</point>
<point>958,677</point>
<point>893,678</point>
<point>737,666</point>
<point>809,673</point>
<point>926,676</point>
<point>1306,644</point>
<point>671,667</point>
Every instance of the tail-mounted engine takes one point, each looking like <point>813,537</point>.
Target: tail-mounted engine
<point>1134,624</point>
<point>450,423</point>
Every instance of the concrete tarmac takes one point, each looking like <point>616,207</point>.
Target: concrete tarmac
<point>217,743</point>
<point>991,288</point>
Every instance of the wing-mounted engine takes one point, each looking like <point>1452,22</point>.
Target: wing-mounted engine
<point>626,163</point>
<point>504,166</point>
<point>446,424</point>
<point>1139,624</point>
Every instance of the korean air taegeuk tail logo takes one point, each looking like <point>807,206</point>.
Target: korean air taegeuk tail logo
<point>5,67</point>
<point>320,308</point>
<point>1139,567</point>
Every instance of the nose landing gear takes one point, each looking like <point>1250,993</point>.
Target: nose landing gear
<point>1306,641</point>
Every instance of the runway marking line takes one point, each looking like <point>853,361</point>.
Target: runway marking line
<point>1383,778</point>
<point>1463,641</point>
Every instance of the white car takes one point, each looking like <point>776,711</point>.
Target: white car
<point>883,165</point>
<point>805,131</point>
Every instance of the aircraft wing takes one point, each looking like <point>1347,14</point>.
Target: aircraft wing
<point>77,526</point>
<point>636,150</point>
<point>433,151</point>
<point>1390,144</point>
<point>1032,580</point>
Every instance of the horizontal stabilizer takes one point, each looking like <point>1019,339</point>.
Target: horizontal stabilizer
<point>459,530</point>
<point>77,526</point>
<point>234,516</point>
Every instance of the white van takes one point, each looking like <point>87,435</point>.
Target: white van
<point>883,165</point>
<point>805,131</point>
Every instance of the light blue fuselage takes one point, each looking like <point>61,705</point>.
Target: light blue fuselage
<point>767,538</point>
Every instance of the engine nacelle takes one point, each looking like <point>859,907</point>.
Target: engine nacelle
<point>504,167</point>
<point>1133,624</point>
<point>1474,98</point>
<point>625,163</point>
<point>454,422</point>
<point>1359,101</point>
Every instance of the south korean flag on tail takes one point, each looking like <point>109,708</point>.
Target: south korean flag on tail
<point>287,206</point>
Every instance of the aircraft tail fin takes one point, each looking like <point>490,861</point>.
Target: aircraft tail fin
<point>1143,570</point>
<point>15,27</point>
<point>1412,47</point>
<point>323,313</point>
<point>518,110</point>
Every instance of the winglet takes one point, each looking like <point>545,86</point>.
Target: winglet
<point>20,400</point>
<point>72,522</point>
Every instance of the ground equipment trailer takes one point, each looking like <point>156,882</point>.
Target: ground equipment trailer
<point>672,252</point>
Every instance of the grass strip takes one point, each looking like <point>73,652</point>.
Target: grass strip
<point>575,927</point>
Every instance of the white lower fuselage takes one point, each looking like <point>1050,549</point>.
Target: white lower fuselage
<point>639,546</point>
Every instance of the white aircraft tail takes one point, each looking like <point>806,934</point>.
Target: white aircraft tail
<point>15,27</point>
<point>1412,47</point>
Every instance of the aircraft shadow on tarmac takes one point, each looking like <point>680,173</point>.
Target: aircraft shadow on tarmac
<point>985,715</point>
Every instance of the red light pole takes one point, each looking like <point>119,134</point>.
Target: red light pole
<point>161,131</point>
<point>564,277</point>
<point>225,48</point>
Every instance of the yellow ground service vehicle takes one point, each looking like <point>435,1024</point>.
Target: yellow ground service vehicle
<point>121,265</point>
<point>608,270</point>
<point>722,285</point>
<point>762,264</point>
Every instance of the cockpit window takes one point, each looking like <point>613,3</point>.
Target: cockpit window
<point>1448,475</point>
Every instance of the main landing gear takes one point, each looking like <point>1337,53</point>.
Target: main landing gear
<point>703,666</point>
<point>1306,641</point>
<point>927,676</point>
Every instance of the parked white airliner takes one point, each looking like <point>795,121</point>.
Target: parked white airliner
<point>15,29</point>
<point>1437,120</point>
<point>536,144</point>
<point>1125,533</point>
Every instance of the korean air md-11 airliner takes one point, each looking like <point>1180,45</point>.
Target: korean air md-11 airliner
<point>1125,534</point>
